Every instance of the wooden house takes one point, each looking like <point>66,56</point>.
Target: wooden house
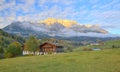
<point>50,48</point>
<point>45,48</point>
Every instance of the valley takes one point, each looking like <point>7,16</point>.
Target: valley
<point>59,35</point>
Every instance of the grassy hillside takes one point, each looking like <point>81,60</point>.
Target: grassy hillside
<point>107,45</point>
<point>6,39</point>
<point>87,61</point>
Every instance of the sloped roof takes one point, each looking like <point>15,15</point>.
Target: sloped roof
<point>55,44</point>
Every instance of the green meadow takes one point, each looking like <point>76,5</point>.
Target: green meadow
<point>84,61</point>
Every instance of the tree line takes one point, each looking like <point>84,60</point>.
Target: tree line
<point>15,48</point>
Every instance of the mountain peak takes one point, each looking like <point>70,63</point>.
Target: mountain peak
<point>66,23</point>
<point>54,27</point>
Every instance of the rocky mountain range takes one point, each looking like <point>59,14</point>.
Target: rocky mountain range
<point>53,28</point>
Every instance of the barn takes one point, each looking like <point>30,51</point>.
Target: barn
<point>51,48</point>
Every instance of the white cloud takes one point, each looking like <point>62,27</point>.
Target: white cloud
<point>26,6</point>
<point>109,20</point>
<point>2,26</point>
<point>93,1</point>
<point>117,6</point>
<point>109,4</point>
<point>1,19</point>
<point>4,6</point>
<point>2,1</point>
<point>110,17</point>
<point>5,21</point>
<point>64,2</point>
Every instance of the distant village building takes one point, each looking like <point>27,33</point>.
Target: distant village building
<point>97,43</point>
<point>46,48</point>
<point>94,44</point>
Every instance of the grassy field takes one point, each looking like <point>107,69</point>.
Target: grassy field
<point>87,61</point>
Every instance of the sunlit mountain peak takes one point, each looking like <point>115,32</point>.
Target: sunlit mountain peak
<point>66,23</point>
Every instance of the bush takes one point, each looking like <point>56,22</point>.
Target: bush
<point>68,49</point>
<point>87,49</point>
<point>1,56</point>
<point>14,49</point>
<point>115,46</point>
<point>8,55</point>
<point>1,50</point>
<point>1,53</point>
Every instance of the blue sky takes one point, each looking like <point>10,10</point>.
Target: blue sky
<point>106,13</point>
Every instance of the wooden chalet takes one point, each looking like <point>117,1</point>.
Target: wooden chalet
<point>50,48</point>
<point>45,48</point>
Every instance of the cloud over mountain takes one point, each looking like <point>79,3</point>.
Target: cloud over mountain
<point>54,27</point>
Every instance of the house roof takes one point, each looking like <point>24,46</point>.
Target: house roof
<point>55,44</point>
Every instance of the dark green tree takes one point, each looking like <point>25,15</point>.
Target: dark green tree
<point>1,50</point>
<point>14,49</point>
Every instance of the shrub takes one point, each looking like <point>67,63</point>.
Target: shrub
<point>87,49</point>
<point>1,50</point>
<point>1,56</point>
<point>14,49</point>
<point>8,55</point>
<point>115,46</point>
<point>68,49</point>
